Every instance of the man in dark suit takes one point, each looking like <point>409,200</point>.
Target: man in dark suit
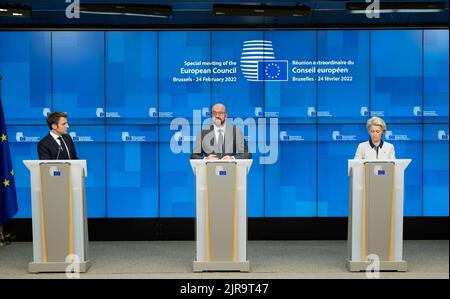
<point>57,145</point>
<point>221,140</point>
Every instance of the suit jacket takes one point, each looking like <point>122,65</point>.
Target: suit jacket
<point>234,144</point>
<point>48,148</point>
<point>365,151</point>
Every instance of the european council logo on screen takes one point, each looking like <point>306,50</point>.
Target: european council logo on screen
<point>258,62</point>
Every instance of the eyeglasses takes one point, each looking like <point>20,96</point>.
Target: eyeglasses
<point>220,113</point>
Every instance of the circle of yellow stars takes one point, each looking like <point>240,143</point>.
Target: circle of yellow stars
<point>272,66</point>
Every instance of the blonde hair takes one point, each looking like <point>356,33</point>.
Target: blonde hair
<point>376,121</point>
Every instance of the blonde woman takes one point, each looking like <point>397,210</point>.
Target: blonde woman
<point>375,148</point>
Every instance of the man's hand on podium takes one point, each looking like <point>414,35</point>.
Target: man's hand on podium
<point>227,158</point>
<point>212,157</point>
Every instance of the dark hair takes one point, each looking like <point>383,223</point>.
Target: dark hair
<point>53,118</point>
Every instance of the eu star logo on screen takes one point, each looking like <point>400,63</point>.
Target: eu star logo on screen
<point>272,70</point>
<point>258,62</point>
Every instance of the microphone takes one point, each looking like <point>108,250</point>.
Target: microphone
<point>60,149</point>
<point>68,153</point>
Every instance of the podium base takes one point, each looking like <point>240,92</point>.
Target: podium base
<point>221,266</point>
<point>400,266</point>
<point>55,267</point>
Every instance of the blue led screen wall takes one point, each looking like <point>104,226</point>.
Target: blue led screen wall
<point>132,95</point>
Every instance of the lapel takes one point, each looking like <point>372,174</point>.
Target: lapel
<point>66,143</point>
<point>209,134</point>
<point>52,140</point>
<point>228,138</point>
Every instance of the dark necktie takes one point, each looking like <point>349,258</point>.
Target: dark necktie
<point>220,143</point>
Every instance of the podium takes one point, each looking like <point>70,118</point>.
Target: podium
<point>375,223</point>
<point>58,201</point>
<point>221,215</point>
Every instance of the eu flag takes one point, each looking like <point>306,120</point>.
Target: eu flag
<point>8,197</point>
<point>273,70</point>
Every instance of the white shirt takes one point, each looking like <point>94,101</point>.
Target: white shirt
<point>365,151</point>
<point>55,137</point>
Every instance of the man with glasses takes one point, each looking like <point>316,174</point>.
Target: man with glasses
<point>221,140</point>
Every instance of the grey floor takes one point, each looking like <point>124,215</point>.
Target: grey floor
<point>268,259</point>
